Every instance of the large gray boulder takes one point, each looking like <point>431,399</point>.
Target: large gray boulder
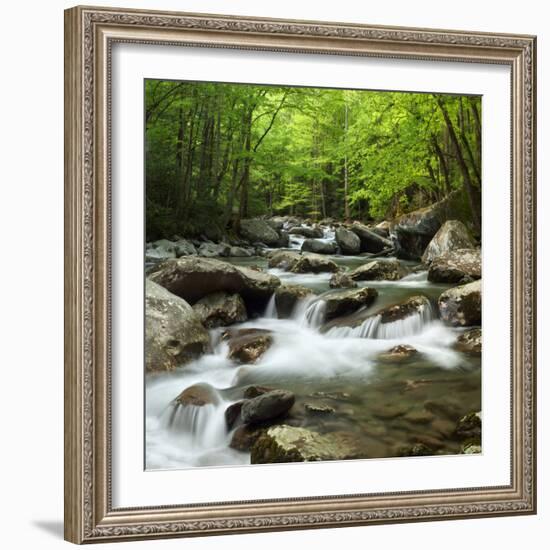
<point>286,298</point>
<point>452,235</point>
<point>379,270</point>
<point>411,233</point>
<point>283,259</point>
<point>221,309</point>
<point>457,266</point>
<point>461,305</point>
<point>184,248</point>
<point>371,241</point>
<point>258,230</point>
<point>192,278</point>
<point>160,251</point>
<point>307,232</point>
<point>314,263</point>
<point>213,250</point>
<point>347,301</point>
<point>348,241</point>
<point>267,406</point>
<point>174,334</point>
<point>319,247</point>
<point>291,444</point>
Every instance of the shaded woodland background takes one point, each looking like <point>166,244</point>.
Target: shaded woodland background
<point>217,153</point>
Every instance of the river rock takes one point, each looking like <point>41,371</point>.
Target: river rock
<point>348,241</point>
<point>307,232</point>
<point>185,248</point>
<point>174,334</point>
<point>469,341</point>
<point>418,449</point>
<point>410,306</point>
<point>452,235</point>
<point>192,278</point>
<point>370,240</point>
<point>213,250</point>
<point>254,391</point>
<point>314,263</point>
<point>348,301</point>
<point>245,436</point>
<point>379,270</point>
<point>469,427</point>
<point>249,347</point>
<point>315,410</point>
<point>411,233</point>
<point>319,247</point>
<point>277,222</point>
<point>293,444</point>
<point>267,406</point>
<point>286,297</point>
<point>198,395</point>
<point>233,414</point>
<point>160,250</point>
<point>462,265</point>
<point>383,228</point>
<point>220,309</point>
<point>258,230</point>
<point>398,353</point>
<point>341,279</point>
<point>283,259</point>
<point>240,252</point>
<point>461,305</point>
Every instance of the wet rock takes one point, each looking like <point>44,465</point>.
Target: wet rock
<point>348,301</point>
<point>277,222</point>
<point>341,280</point>
<point>184,247</point>
<point>267,406</point>
<point>398,353</point>
<point>348,241</point>
<point>233,414</point>
<point>383,228</point>
<point>160,251</point>
<point>192,278</point>
<point>410,306</point>
<point>319,247</point>
<point>198,396</point>
<point>245,437</point>
<point>220,309</point>
<point>419,417</point>
<point>457,266</point>
<point>313,409</point>
<point>213,250</point>
<point>314,263</point>
<point>254,391</point>
<point>286,298</point>
<point>445,408</point>
<point>370,240</point>
<point>174,334</point>
<point>249,348</point>
<point>283,259</point>
<point>379,270</point>
<point>418,449</point>
<point>240,252</point>
<point>452,235</point>
<point>258,230</point>
<point>469,341</point>
<point>471,449</point>
<point>293,444</point>
<point>461,305</point>
<point>307,232</point>
<point>411,233</point>
<point>284,240</point>
<point>388,412</point>
<point>469,427</point>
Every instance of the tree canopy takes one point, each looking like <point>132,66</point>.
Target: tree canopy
<point>217,153</point>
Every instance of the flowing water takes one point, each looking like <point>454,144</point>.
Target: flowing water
<point>382,402</point>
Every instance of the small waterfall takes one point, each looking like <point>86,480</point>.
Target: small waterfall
<point>271,309</point>
<point>310,312</point>
<point>373,327</point>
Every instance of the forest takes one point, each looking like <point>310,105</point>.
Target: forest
<point>218,153</point>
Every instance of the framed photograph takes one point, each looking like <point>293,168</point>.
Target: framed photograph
<point>285,242</point>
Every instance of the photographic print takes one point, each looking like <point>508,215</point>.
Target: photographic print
<point>313,274</point>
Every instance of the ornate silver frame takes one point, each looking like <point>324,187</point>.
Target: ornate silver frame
<point>89,35</point>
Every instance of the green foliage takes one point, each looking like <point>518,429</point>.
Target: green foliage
<point>217,152</point>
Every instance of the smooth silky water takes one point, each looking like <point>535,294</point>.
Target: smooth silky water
<point>381,402</point>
